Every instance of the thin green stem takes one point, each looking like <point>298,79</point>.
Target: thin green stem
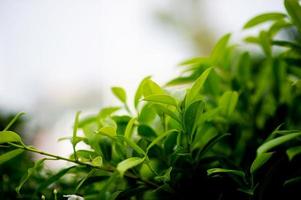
<point>111,169</point>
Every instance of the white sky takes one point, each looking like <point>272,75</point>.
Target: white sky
<point>57,49</point>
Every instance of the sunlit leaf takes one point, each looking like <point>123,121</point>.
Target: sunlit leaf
<point>133,145</point>
<point>9,136</point>
<point>151,88</point>
<point>263,18</point>
<point>293,8</point>
<point>219,48</point>
<point>171,113</point>
<point>97,161</point>
<point>196,88</point>
<point>129,128</point>
<point>139,91</point>
<point>119,93</point>
<point>129,163</point>
<point>161,98</point>
<point>108,131</point>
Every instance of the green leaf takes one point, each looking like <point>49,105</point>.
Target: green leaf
<point>133,145</point>
<point>259,161</point>
<point>228,102</point>
<point>9,136</point>
<point>196,61</point>
<point>293,151</point>
<point>54,178</point>
<point>161,98</point>
<point>150,88</point>
<point>292,181</point>
<point>171,113</point>
<point>108,131</point>
<point>29,173</point>
<point>265,42</point>
<point>10,155</point>
<point>13,121</point>
<point>129,163</point>
<point>191,114</point>
<point>165,177</point>
<point>196,88</point>
<point>146,132</point>
<point>139,91</point>
<point>210,144</point>
<point>294,10</point>
<point>277,142</point>
<point>129,128</point>
<point>273,16</point>
<point>159,138</point>
<point>219,49</point>
<point>105,112</point>
<point>119,93</point>
<point>97,161</point>
<point>213,171</point>
<point>74,140</point>
<point>288,44</point>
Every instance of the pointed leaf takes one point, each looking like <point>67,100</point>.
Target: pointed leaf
<point>129,163</point>
<point>196,88</point>
<point>293,151</point>
<point>134,146</point>
<point>139,91</point>
<point>119,93</point>
<point>129,128</point>
<point>171,113</point>
<point>53,178</point>
<point>30,172</point>
<point>13,121</point>
<point>97,161</point>
<point>294,10</point>
<point>259,161</point>
<point>228,102</point>
<point>219,49</point>
<point>9,136</point>
<point>210,144</point>
<point>264,18</point>
<point>277,142</point>
<point>159,138</point>
<point>10,155</point>
<point>150,88</point>
<point>191,114</point>
<point>108,131</point>
<point>213,171</point>
<point>161,98</point>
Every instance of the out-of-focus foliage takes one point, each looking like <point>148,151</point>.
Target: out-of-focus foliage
<point>188,20</point>
<point>233,132</point>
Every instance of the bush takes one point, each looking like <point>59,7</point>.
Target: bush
<point>233,132</point>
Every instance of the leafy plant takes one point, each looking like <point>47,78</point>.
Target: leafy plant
<point>233,132</point>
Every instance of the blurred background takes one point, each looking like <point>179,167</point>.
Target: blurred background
<point>58,57</point>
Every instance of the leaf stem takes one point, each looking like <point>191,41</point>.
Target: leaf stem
<point>110,169</point>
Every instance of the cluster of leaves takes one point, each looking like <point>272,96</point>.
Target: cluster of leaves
<point>233,132</point>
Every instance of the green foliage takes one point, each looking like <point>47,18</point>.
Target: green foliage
<point>219,138</point>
